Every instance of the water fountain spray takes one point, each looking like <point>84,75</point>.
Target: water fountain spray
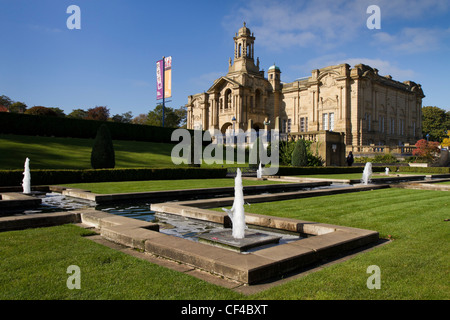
<point>26,182</point>
<point>367,173</point>
<point>236,213</point>
<point>259,171</point>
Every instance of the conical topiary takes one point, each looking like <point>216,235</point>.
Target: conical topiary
<point>299,155</point>
<point>102,155</point>
<point>255,153</point>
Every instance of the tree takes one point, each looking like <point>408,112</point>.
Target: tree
<point>140,119</point>
<point>5,101</point>
<point>102,155</point>
<point>426,150</point>
<point>255,153</point>
<point>78,114</point>
<point>123,118</point>
<point>98,113</point>
<point>300,154</point>
<point>41,111</point>
<point>446,141</point>
<point>172,118</point>
<point>18,107</point>
<point>59,112</point>
<point>435,123</point>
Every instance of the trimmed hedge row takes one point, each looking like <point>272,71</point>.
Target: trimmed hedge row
<point>441,170</point>
<point>53,177</point>
<point>23,124</point>
<point>293,171</point>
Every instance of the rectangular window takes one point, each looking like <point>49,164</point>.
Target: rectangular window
<point>392,126</point>
<point>381,124</point>
<point>325,121</point>
<point>289,125</point>
<point>331,126</point>
<point>283,126</point>
<point>306,124</point>
<point>302,125</point>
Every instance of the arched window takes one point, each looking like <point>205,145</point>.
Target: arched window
<point>240,50</point>
<point>227,99</point>
<point>258,100</point>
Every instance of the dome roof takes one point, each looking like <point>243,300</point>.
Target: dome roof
<point>274,67</point>
<point>244,30</point>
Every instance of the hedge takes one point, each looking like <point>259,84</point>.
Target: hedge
<point>293,171</point>
<point>440,170</point>
<point>53,177</point>
<point>33,125</point>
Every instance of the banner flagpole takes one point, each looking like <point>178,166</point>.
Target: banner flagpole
<point>163,88</point>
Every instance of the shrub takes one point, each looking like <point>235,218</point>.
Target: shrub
<point>53,177</point>
<point>255,151</point>
<point>299,155</point>
<point>385,158</point>
<point>41,111</point>
<point>102,155</point>
<point>426,150</point>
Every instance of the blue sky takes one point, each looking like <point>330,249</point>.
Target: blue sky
<point>111,60</point>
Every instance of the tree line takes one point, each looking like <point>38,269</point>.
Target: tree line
<point>435,121</point>
<point>173,118</point>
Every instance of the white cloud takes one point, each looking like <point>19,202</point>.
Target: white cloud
<point>412,40</point>
<point>285,24</point>
<point>45,29</point>
<point>384,67</point>
<point>325,24</point>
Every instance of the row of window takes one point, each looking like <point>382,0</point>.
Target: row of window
<point>392,126</point>
<point>328,124</point>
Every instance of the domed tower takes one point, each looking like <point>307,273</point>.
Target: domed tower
<point>273,74</point>
<point>244,50</point>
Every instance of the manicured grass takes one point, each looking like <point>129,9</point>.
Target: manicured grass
<point>71,153</point>
<point>34,264</point>
<point>414,265</point>
<point>158,185</point>
<point>448,182</point>
<point>343,176</point>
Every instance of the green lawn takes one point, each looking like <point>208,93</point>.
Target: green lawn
<point>71,153</point>
<point>413,266</point>
<point>158,185</point>
<point>343,176</point>
<point>34,264</point>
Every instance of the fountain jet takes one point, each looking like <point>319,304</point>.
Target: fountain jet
<point>26,184</point>
<point>236,213</point>
<point>259,171</point>
<point>367,173</point>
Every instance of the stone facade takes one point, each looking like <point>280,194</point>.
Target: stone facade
<point>368,108</point>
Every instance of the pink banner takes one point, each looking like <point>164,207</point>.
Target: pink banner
<point>159,79</point>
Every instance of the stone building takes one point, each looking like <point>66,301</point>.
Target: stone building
<point>370,111</point>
